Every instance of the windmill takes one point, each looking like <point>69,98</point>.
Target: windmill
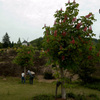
<point>25,42</point>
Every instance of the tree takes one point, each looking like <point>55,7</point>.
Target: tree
<point>12,44</point>
<point>98,44</point>
<point>6,40</point>
<point>25,57</point>
<point>0,45</point>
<point>39,43</point>
<point>39,62</point>
<point>68,41</point>
<point>19,42</point>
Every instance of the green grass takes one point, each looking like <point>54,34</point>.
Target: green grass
<point>12,89</point>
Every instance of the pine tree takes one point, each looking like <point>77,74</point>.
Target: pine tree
<point>19,42</point>
<point>6,41</point>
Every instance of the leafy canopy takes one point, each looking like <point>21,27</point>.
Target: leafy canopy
<point>68,42</point>
<point>25,56</point>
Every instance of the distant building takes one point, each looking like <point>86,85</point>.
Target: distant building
<point>25,43</point>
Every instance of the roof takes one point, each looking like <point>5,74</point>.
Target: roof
<point>24,41</point>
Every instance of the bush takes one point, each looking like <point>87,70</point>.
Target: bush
<point>9,69</point>
<point>95,86</point>
<point>70,96</point>
<point>93,95</point>
<point>12,52</point>
<point>80,97</point>
<point>76,97</point>
<point>43,97</point>
<point>85,72</point>
<point>48,75</point>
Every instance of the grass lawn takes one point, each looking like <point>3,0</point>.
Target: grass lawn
<point>12,89</point>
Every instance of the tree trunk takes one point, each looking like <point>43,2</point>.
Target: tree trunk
<point>57,85</point>
<point>63,89</point>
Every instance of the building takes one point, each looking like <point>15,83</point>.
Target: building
<point>25,43</point>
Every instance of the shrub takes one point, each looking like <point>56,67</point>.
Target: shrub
<point>93,86</point>
<point>92,95</point>
<point>80,97</point>
<point>48,75</point>
<point>85,72</point>
<point>9,69</point>
<point>12,52</point>
<point>71,95</point>
<point>43,97</point>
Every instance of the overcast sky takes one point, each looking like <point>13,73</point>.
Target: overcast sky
<point>25,18</point>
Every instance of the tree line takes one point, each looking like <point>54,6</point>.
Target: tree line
<point>35,43</point>
<point>7,43</point>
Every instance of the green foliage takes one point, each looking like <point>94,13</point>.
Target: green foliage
<point>19,42</point>
<point>98,45</point>
<point>69,40</point>
<point>68,43</point>
<point>48,75</point>
<point>43,97</point>
<point>25,56</point>
<point>1,45</point>
<point>82,96</point>
<point>95,41</point>
<point>95,86</point>
<point>93,95</point>
<point>87,64</point>
<point>37,43</point>
<point>85,72</point>
<point>6,41</point>
<point>69,96</point>
<point>39,62</point>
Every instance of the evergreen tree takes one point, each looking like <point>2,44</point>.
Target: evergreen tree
<point>19,42</point>
<point>6,41</point>
<point>0,45</point>
<point>12,44</point>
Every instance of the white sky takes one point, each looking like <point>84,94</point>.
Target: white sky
<point>25,18</point>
